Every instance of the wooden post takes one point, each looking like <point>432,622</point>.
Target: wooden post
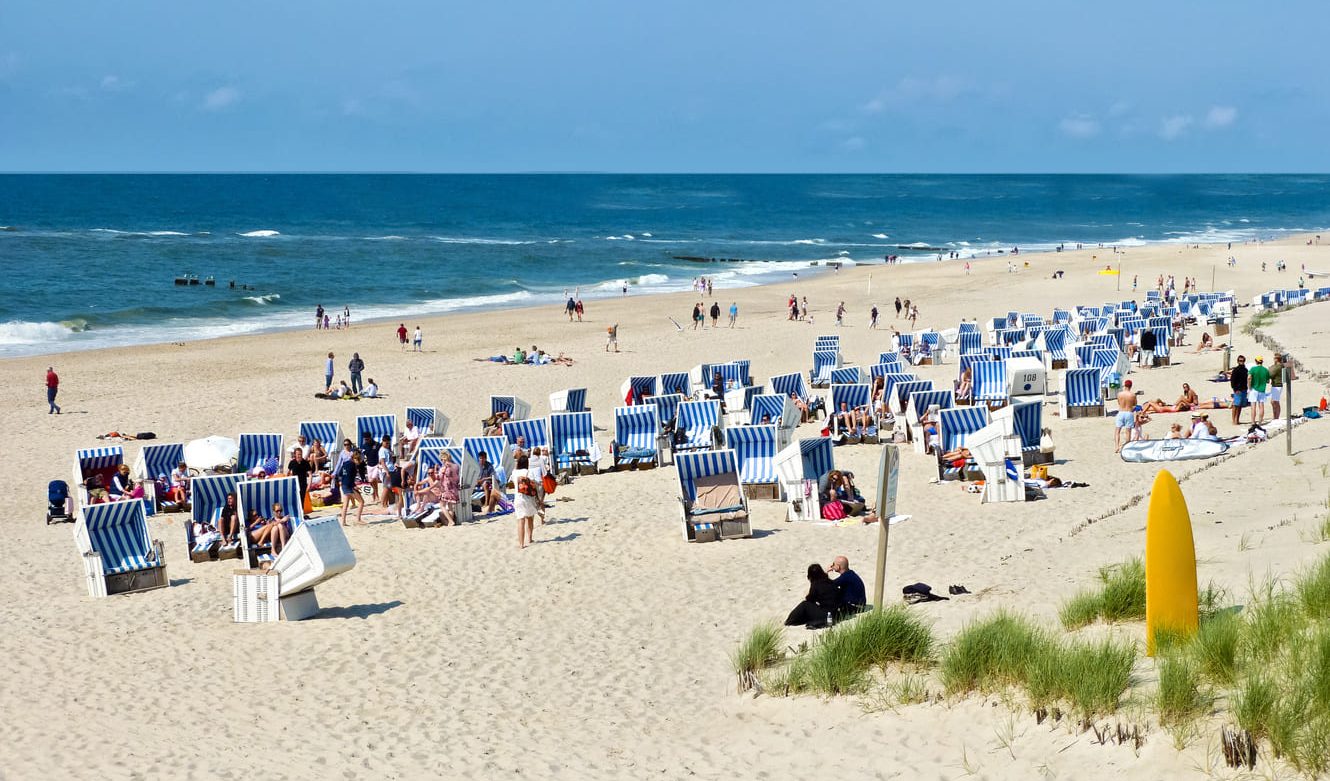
<point>888,475</point>
<point>1288,410</point>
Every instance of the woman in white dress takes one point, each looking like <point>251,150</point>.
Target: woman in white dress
<point>524,501</point>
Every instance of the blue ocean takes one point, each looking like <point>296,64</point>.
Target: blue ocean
<point>92,259</point>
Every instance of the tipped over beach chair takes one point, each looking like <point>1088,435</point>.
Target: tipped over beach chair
<point>802,467</point>
<point>712,497</point>
<point>1025,420</point>
<point>118,558</point>
<point>573,443</point>
<point>697,426</point>
<point>260,496</point>
<point>316,552</point>
<point>428,419</point>
<point>568,400</point>
<point>208,495</point>
<point>260,450</point>
<point>157,460</point>
<point>637,437</point>
<point>98,464</point>
<point>755,448</point>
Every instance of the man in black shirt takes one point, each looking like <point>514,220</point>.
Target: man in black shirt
<point>1148,344</point>
<point>299,467</point>
<point>1237,380</point>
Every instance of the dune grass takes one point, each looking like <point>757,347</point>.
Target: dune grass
<point>759,650</point>
<point>1179,699</point>
<point>1119,596</point>
<point>841,660</point>
<point>1006,650</point>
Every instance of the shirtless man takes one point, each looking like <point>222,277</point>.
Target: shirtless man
<point>1126,417</point>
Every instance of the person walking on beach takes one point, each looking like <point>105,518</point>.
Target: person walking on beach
<point>840,314</point>
<point>318,317</point>
<point>613,338</point>
<point>356,366</point>
<point>328,374</point>
<point>715,315</point>
<point>417,338</point>
<point>914,314</point>
<point>401,335</point>
<point>52,388</point>
<point>967,268</point>
<point>734,312</point>
<point>571,307</point>
<point>580,310</point>
<point>898,307</point>
<point>1126,417</point>
<point>697,315</point>
<point>346,315</point>
<point>804,309</point>
<point>872,317</point>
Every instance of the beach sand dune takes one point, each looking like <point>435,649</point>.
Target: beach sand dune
<point>601,651</point>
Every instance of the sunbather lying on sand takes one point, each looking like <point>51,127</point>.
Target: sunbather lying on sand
<point>1158,406</point>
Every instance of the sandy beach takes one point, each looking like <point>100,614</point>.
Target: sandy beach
<point>601,651</point>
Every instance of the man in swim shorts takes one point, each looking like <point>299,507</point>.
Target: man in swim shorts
<point>1126,417</point>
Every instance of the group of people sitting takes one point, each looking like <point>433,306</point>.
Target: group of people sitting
<point>532,357</point>
<point>829,600</point>
<point>223,529</point>
<point>841,499</point>
<point>344,391</point>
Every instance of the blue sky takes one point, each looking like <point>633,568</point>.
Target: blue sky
<point>853,86</point>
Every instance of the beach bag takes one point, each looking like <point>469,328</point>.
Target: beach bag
<point>1311,413</point>
<point>1039,472</point>
<point>833,511</point>
<point>526,486</point>
<point>549,483</point>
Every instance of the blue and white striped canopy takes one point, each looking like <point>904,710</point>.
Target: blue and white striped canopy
<point>846,375</point>
<point>434,442</point>
<point>422,418</point>
<point>160,459</point>
<point>755,449</point>
<point>257,450</point>
<point>1055,342</point>
<point>890,359</point>
<point>1082,387</point>
<point>676,382</point>
<point>119,532</point>
<point>1028,420</point>
<point>1036,354</point>
<point>971,342</point>
<point>732,373</point>
<point>326,432</point>
<point>890,381</point>
<point>816,457</point>
<point>378,426</point>
<point>99,459</point>
<point>260,495</point>
<point>958,423</point>
<point>824,361</point>
<point>667,406</point>
<point>787,384</point>
<point>967,361</point>
<point>827,342</point>
<point>998,352</point>
<point>637,426</point>
<point>697,419</point>
<point>494,448</point>
<point>990,381</point>
<point>638,386</point>
<point>692,466</point>
<point>576,400</point>
<point>966,327</point>
<point>207,493</point>
<point>769,405</point>
<point>569,433</point>
<point>901,391</point>
<point>853,395</point>
<point>535,431</point>
<point>920,401</point>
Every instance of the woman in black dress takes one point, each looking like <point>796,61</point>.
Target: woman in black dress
<point>820,605</point>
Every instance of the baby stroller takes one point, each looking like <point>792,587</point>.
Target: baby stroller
<point>58,504</point>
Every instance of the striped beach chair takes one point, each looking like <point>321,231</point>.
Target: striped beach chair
<point>154,460</point>
<point>738,401</point>
<point>733,373</point>
<point>954,428</point>
<point>468,474</point>
<point>901,391</point>
<point>827,342</point>
<point>428,420</point>
<point>259,450</point>
<point>998,353</point>
<point>846,375</point>
<point>853,396</point>
<point>802,468</point>
<point>969,342</point>
<point>919,403</point>
<point>377,427</point>
<point>883,369</point>
<point>634,388</point>
<point>667,407</point>
<point>435,442</point>
<point>743,366</point>
<point>569,400</point>
<point>990,383</point>
<point>1054,343</point>
<point>118,557</point>
<point>676,382</point>
<point>1163,336</point>
<point>1027,422</point>
<point>636,436</point>
<point>755,448</point>
<point>573,442</point>
<point>516,408</point>
<point>890,381</point>
<point>207,497</point>
<point>711,496</point>
<point>823,362</point>
<point>890,359</point>
<point>789,384</point>
<point>533,431</point>
<point>102,462</point>
<point>932,340</point>
<point>1082,394</point>
<point>699,422</point>
<point>966,363</point>
<point>497,451</point>
<point>260,496</point>
<point>326,432</point>
<point>776,410</point>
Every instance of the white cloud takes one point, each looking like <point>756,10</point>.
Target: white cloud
<point>911,91</point>
<point>1119,108</point>
<point>112,83</point>
<point>1220,116</point>
<point>1079,126</point>
<point>1174,126</point>
<point>853,144</point>
<point>221,98</point>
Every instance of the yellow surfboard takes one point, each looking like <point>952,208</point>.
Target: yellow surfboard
<point>1171,601</point>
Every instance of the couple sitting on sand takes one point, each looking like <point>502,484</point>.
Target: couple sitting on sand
<point>829,600</point>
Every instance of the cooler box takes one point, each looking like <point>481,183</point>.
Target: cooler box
<point>316,552</point>
<point>1026,377</point>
